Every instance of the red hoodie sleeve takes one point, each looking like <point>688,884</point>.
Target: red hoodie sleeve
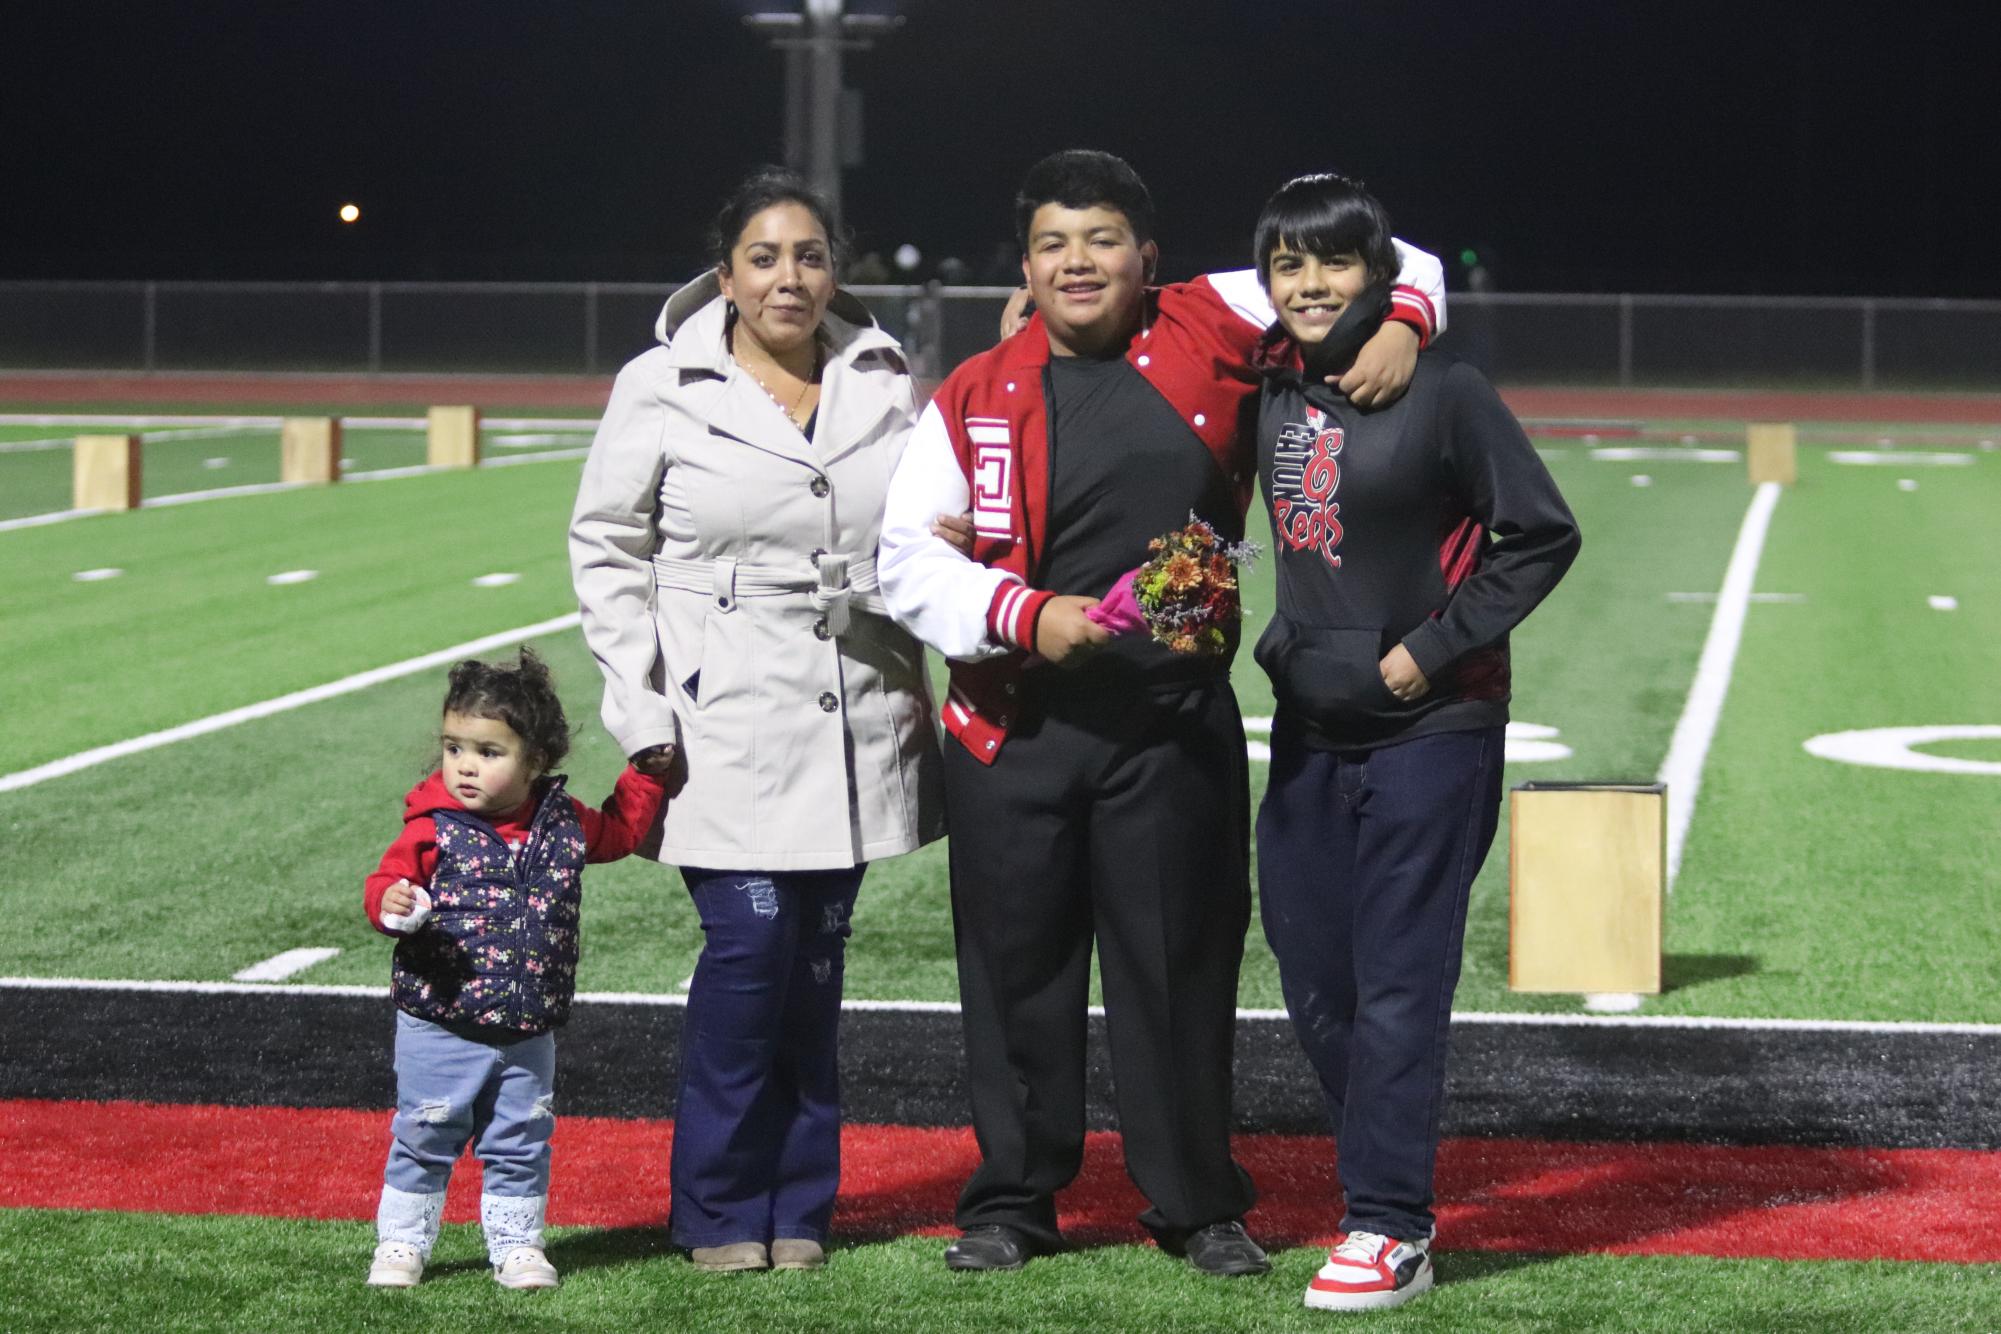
<point>628,813</point>
<point>413,856</point>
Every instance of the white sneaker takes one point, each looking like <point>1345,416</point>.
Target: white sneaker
<point>1367,1271</point>
<point>525,1267</point>
<point>397,1265</point>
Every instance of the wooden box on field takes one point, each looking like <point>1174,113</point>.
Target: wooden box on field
<point>310,449</point>
<point>104,472</point>
<point>453,438</point>
<point>1587,879</point>
<point>1771,450</point>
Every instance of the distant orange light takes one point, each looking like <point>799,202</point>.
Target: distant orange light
<point>350,213</point>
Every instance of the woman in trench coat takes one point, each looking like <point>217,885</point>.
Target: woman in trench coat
<point>723,550</point>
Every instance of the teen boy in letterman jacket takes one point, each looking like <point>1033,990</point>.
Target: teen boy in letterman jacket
<point>1098,788</point>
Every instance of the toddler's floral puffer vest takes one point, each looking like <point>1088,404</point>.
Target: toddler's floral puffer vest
<point>500,949</point>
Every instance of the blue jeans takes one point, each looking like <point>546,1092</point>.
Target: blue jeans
<point>493,1090</point>
<point>1365,861</point>
<point>757,1125</point>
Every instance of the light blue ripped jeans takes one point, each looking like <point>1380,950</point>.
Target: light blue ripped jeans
<point>757,1126</point>
<point>494,1091</point>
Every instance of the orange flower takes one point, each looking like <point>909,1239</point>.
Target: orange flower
<point>1182,572</point>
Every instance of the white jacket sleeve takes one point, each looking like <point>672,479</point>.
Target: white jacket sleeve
<point>613,535</point>
<point>1420,287</point>
<point>932,590</point>
<point>1419,293</point>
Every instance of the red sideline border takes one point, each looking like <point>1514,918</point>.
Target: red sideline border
<point>1783,1202</point>
<point>588,393</point>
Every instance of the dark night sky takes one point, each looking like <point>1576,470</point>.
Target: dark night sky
<point>1749,147</point>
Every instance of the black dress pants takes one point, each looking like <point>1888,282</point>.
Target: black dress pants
<point>1120,818</point>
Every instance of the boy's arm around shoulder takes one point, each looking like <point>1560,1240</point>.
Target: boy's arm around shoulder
<point>628,815</point>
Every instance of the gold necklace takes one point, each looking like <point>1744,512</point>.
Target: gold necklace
<point>792,412</point>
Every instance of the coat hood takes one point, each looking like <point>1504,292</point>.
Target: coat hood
<point>694,318</point>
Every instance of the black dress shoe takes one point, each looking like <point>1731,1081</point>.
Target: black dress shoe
<point>989,1246</point>
<point>1224,1249</point>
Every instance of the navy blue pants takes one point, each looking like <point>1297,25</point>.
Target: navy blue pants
<point>1365,860</point>
<point>757,1125</point>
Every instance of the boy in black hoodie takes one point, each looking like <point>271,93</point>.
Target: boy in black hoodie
<point>1410,540</point>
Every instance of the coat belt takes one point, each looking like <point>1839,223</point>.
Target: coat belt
<point>840,582</point>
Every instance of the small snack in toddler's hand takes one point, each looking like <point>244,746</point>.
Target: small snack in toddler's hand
<point>1184,595</point>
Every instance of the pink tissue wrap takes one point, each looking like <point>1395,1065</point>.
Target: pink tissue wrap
<point>1120,611</point>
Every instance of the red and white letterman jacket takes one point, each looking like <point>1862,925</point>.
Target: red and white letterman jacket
<point>982,445</point>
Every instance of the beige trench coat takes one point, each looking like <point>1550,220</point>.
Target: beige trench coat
<point>707,548</point>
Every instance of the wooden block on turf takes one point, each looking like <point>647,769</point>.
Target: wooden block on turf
<point>454,438</point>
<point>104,472</point>
<point>310,449</point>
<point>1771,448</point>
<point>1587,880</point>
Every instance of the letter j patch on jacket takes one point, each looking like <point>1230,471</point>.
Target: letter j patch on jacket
<point>993,476</point>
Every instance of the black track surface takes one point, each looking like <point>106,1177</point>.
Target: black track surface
<point>1886,1090</point>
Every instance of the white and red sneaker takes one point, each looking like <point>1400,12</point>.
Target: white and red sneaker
<point>1367,1271</point>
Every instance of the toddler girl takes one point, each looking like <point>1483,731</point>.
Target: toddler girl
<point>482,891</point>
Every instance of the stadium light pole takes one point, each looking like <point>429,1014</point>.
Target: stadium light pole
<point>823,120</point>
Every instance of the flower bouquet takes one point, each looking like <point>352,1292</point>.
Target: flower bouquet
<point>1185,593</point>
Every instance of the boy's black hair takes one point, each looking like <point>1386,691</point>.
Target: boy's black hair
<point>764,187</point>
<point>1084,178</point>
<point>1326,214</point>
<point>522,695</point>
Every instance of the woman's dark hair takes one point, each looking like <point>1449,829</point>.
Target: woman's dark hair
<point>759,191</point>
<point>1084,178</point>
<point>1326,215</point>
<point>523,696</point>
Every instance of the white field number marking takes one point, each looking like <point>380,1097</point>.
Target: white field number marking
<point>1896,748</point>
<point>281,966</point>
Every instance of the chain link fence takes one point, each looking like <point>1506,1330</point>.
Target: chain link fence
<point>592,328</point>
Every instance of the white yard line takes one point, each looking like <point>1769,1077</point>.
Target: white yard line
<point>288,964</point>
<point>1486,1017</point>
<point>43,520</point>
<point>1682,769</point>
<point>347,685</point>
<point>269,488</point>
<point>1868,458</point>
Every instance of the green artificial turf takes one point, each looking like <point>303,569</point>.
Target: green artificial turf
<point>89,1271</point>
<point>178,461</point>
<point>1833,888</point>
<point>1811,889</point>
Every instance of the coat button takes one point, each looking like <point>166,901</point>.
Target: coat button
<point>991,745</point>
<point>820,487</point>
<point>820,630</point>
<point>827,701</point>
<point>1009,687</point>
<point>1145,361</point>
